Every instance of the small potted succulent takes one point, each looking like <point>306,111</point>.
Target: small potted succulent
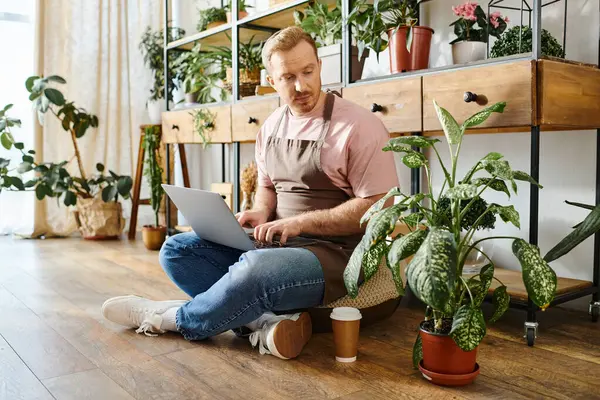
<point>472,29</point>
<point>518,40</point>
<point>211,18</point>
<point>153,236</point>
<point>454,324</point>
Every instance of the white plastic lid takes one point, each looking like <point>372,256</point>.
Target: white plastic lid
<point>346,314</point>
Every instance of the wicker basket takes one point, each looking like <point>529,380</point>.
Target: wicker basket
<point>99,220</point>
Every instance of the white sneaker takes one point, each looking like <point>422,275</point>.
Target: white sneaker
<point>283,336</point>
<point>138,312</point>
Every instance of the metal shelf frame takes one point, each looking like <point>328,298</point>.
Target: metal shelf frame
<point>534,12</point>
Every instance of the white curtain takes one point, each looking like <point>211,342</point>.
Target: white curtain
<point>93,44</point>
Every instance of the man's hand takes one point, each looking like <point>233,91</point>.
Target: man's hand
<point>285,228</point>
<point>252,218</point>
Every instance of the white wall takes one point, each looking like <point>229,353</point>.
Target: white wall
<point>567,168</point>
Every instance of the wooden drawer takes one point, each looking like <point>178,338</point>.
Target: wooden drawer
<point>513,83</point>
<point>400,100</point>
<point>247,117</point>
<point>178,126</point>
<point>568,95</point>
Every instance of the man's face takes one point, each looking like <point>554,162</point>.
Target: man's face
<point>296,75</point>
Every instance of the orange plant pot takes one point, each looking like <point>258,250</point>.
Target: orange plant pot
<point>443,356</point>
<point>401,60</point>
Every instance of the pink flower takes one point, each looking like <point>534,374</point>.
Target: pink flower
<point>494,22</point>
<point>496,14</point>
<point>470,16</point>
<point>506,20</point>
<point>456,10</point>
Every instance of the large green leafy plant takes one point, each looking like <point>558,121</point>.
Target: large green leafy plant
<point>193,67</point>
<point>440,241</point>
<point>53,179</point>
<point>153,170</point>
<point>322,24</point>
<point>518,40</point>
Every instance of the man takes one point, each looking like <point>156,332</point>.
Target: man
<point>320,167</point>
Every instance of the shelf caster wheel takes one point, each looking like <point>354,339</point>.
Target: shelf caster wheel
<point>530,332</point>
<point>594,310</point>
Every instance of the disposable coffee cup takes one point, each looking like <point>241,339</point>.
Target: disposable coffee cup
<point>346,328</point>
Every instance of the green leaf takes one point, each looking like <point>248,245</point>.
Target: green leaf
<point>405,246</point>
<point>70,199</point>
<point>396,276</point>
<point>372,259</point>
<point>6,108</point>
<point>507,213</point>
<point>124,185</point>
<point>478,166</point>
<point>451,128</point>
<point>41,191</point>
<point>41,168</point>
<point>19,146</point>
<point>378,205</point>
<point>414,159</point>
<point>29,82</point>
<point>501,301</point>
<point>109,193</point>
<point>581,205</point>
<point>7,181</point>
<point>499,168</point>
<point>589,226</point>
<point>30,183</point>
<point>417,354</point>
<point>539,278</point>
<point>28,159</point>
<point>493,183</point>
<point>413,219</point>
<point>100,167</point>
<point>485,281</point>
<point>484,114</point>
<point>352,270</point>
<point>24,167</point>
<point>31,151</point>
<point>54,96</point>
<point>468,327</point>
<point>6,141</point>
<point>522,176</point>
<point>56,78</point>
<point>417,141</point>
<point>4,163</point>
<point>18,183</point>
<point>462,191</point>
<point>432,271</point>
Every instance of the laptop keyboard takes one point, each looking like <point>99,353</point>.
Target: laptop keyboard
<point>265,245</point>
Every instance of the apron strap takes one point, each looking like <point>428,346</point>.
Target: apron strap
<point>278,124</point>
<point>327,112</point>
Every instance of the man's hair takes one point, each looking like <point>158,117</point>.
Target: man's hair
<point>285,40</point>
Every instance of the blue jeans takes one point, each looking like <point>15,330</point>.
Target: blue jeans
<point>231,288</point>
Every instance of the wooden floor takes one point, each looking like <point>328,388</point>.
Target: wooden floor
<point>54,343</point>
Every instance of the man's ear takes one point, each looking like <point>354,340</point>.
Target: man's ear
<point>271,81</point>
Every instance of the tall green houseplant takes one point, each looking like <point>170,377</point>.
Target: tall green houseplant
<point>152,168</point>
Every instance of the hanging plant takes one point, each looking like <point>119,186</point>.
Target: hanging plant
<point>204,122</point>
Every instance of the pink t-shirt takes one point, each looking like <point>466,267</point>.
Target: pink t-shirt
<point>352,155</point>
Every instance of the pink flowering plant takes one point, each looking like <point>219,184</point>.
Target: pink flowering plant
<point>473,25</point>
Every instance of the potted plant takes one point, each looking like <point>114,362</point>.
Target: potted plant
<point>98,210</point>
<point>153,236</point>
<point>472,29</point>
<point>211,18</point>
<point>152,48</point>
<point>192,68</point>
<point>518,40</point>
<point>242,9</point>
<point>454,324</point>
<point>204,123</point>
<point>409,44</point>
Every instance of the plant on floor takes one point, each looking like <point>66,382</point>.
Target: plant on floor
<point>204,122</point>
<point>473,25</point>
<point>440,241</point>
<point>322,24</point>
<point>210,15</point>
<point>152,48</point>
<point>153,236</point>
<point>518,40</point>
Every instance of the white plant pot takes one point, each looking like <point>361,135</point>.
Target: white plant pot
<point>331,70</point>
<point>465,52</point>
<point>155,109</point>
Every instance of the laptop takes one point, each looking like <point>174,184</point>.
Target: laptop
<point>211,219</point>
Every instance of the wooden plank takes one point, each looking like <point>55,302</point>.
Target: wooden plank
<point>568,94</point>
<point>400,99</point>
<point>16,380</point>
<point>258,111</point>
<point>88,385</point>
<point>44,351</point>
<point>513,83</point>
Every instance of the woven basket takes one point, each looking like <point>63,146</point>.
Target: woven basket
<point>377,290</point>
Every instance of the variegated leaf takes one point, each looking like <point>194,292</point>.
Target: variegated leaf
<point>378,205</point>
<point>501,301</point>
<point>416,141</point>
<point>481,116</point>
<point>397,148</point>
<point>489,157</point>
<point>413,219</point>
<point>538,277</point>
<point>417,354</point>
<point>462,191</point>
<point>432,271</point>
<point>451,128</point>
<point>493,183</point>
<point>352,271</point>
<point>414,159</point>
<point>507,213</point>
<point>523,176</point>
<point>397,277</point>
<point>468,327</point>
<point>372,258</point>
<point>405,246</point>
<point>383,223</point>
<point>485,279</point>
<point>514,185</point>
<point>499,168</point>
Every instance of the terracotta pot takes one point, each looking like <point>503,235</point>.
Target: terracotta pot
<point>443,356</point>
<point>241,15</point>
<point>401,60</point>
<point>191,98</point>
<point>214,24</point>
<point>154,236</point>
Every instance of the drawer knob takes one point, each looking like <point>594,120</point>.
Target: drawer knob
<point>252,120</point>
<point>376,107</point>
<point>175,127</point>
<point>468,97</point>
<point>209,125</point>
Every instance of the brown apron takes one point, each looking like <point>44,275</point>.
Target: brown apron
<point>294,167</point>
